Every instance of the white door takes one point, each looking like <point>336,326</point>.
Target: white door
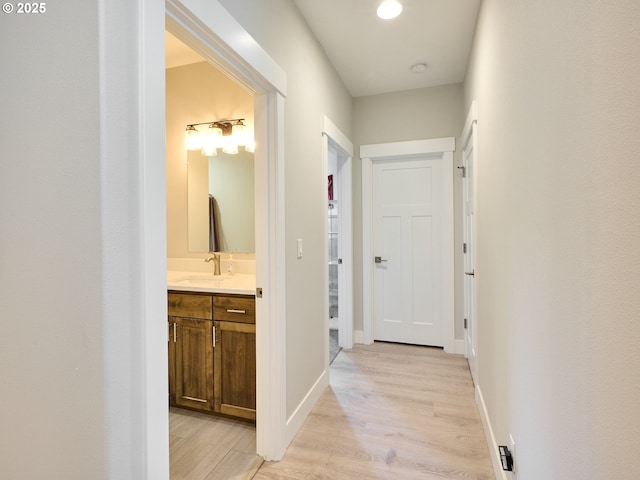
<point>408,231</point>
<point>469,250</point>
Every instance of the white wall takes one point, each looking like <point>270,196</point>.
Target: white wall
<point>51,367</point>
<point>558,260</point>
<point>410,115</point>
<point>313,90</point>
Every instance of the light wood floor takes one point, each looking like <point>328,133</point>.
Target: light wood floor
<point>392,412</point>
<point>204,447</point>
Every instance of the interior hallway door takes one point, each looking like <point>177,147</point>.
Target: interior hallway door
<point>408,229</point>
<point>469,154</point>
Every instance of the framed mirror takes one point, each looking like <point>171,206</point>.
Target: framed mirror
<point>221,194</point>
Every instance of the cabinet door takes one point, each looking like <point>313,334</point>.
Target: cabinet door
<point>235,373</point>
<point>194,363</point>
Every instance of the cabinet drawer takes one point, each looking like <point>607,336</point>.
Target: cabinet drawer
<point>190,305</point>
<point>234,309</point>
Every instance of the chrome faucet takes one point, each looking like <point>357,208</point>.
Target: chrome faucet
<point>215,258</point>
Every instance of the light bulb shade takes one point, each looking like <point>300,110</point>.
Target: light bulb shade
<point>212,139</point>
<point>192,139</point>
<point>250,145</point>
<point>229,145</point>
<point>209,151</point>
<point>238,132</point>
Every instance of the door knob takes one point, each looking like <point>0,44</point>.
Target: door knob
<point>379,259</point>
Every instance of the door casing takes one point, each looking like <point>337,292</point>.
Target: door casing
<point>369,154</point>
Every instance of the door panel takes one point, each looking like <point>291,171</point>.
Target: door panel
<point>423,313</point>
<point>391,281</point>
<point>408,211</point>
<point>468,155</point>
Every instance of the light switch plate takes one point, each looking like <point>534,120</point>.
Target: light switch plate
<point>299,248</point>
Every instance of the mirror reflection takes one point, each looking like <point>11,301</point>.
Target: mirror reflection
<point>221,214</point>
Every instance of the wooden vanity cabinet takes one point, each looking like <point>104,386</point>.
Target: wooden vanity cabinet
<point>212,353</point>
<point>191,351</point>
<point>235,355</point>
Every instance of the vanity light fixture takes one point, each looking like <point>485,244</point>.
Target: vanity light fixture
<point>389,9</point>
<point>225,134</point>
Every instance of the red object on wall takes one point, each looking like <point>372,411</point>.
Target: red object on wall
<point>330,187</point>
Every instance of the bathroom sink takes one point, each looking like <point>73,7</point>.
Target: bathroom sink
<point>201,280</point>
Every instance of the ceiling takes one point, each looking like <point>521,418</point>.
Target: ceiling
<point>177,53</point>
<point>374,56</point>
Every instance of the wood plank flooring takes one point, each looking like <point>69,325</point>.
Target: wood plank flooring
<point>391,412</point>
<point>205,447</point>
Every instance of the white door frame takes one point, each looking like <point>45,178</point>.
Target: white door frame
<point>382,151</point>
<point>331,133</point>
<point>469,138</point>
<point>212,32</point>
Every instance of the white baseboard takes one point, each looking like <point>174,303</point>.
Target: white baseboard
<point>458,346</point>
<point>297,418</point>
<point>358,336</point>
<point>491,440</point>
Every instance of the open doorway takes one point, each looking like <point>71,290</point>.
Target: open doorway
<point>338,151</point>
<point>213,33</point>
<point>335,258</point>
<point>217,216</point>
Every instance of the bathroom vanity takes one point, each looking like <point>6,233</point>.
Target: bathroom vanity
<point>212,348</point>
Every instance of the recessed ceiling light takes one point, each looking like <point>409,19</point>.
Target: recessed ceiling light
<point>389,9</point>
<point>419,68</point>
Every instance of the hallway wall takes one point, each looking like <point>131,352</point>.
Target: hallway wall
<point>313,90</point>
<point>51,300</point>
<point>558,95</point>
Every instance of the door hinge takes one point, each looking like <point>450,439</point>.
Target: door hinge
<point>464,171</point>
<point>464,248</point>
<point>465,323</point>
<point>258,292</point>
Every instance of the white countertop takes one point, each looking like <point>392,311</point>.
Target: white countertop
<point>207,282</point>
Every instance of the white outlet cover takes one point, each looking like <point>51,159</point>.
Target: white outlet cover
<point>512,447</point>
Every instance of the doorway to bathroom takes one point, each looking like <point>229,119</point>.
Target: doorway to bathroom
<point>208,29</point>
<point>218,185</point>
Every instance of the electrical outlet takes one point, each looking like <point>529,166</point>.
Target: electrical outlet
<point>512,447</point>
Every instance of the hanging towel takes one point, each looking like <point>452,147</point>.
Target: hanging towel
<point>214,244</point>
